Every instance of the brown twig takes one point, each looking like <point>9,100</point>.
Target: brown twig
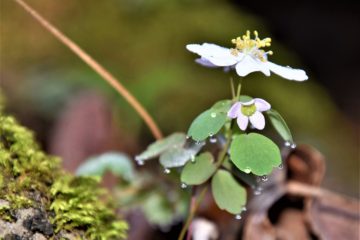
<point>305,190</point>
<point>107,76</point>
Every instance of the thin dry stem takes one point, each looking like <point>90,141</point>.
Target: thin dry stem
<point>107,76</point>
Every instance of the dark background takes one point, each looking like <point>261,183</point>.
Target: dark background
<point>325,36</point>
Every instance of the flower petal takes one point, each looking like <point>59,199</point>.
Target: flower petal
<point>248,65</point>
<point>261,105</point>
<point>217,55</point>
<point>234,110</point>
<point>242,121</point>
<point>258,120</point>
<point>287,72</point>
<point>203,61</point>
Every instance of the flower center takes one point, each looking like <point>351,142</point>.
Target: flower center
<point>248,110</point>
<point>247,45</point>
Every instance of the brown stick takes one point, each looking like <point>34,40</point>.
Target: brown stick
<point>107,76</point>
<point>304,190</point>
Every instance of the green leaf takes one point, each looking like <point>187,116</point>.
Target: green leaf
<point>117,163</point>
<point>254,153</point>
<point>280,125</point>
<point>229,195</point>
<point>210,122</point>
<point>198,172</point>
<point>222,106</point>
<point>207,124</point>
<point>177,157</point>
<point>174,140</point>
<point>245,98</point>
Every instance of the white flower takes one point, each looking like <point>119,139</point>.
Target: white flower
<point>249,111</point>
<point>246,57</point>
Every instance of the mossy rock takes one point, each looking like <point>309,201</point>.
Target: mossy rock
<point>38,200</point>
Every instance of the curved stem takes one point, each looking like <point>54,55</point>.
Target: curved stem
<point>107,76</point>
<point>192,210</point>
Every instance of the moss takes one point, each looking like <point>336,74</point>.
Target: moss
<point>29,177</point>
<point>83,209</point>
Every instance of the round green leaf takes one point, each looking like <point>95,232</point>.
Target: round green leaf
<point>245,98</point>
<point>119,164</point>
<point>198,172</point>
<point>254,153</point>
<point>207,124</point>
<point>177,157</point>
<point>174,140</point>
<point>280,125</point>
<point>222,106</point>
<point>229,195</point>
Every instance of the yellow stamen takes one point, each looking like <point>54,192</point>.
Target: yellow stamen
<point>245,44</point>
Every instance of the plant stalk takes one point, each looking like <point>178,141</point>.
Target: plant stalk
<point>107,76</point>
<point>193,208</point>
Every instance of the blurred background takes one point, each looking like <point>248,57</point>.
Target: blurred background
<point>75,114</point>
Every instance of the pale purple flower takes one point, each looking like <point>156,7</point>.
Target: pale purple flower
<point>249,111</point>
<point>246,57</point>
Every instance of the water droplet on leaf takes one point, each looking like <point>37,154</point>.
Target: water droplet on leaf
<point>287,144</point>
<point>293,146</point>
<point>183,185</point>
<point>281,166</point>
<point>192,158</point>
<point>237,216</point>
<point>264,178</point>
<point>167,171</point>
<point>140,162</point>
<point>244,209</point>
<point>213,114</point>
<point>247,170</point>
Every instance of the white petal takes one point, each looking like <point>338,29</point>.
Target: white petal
<point>288,72</point>
<point>204,62</point>
<point>261,105</point>
<point>248,103</point>
<point>234,110</point>
<point>217,55</point>
<point>248,65</point>
<point>242,121</point>
<point>258,120</point>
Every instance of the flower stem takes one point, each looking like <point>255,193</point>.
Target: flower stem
<point>192,210</point>
<point>232,87</point>
<point>238,90</point>
<point>107,76</point>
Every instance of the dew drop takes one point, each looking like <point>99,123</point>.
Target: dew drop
<point>213,114</point>
<point>237,216</point>
<point>213,140</point>
<point>192,158</point>
<point>167,171</point>
<point>244,209</point>
<point>247,170</point>
<point>293,146</point>
<point>287,144</point>
<point>257,192</point>
<point>140,162</point>
<point>281,166</point>
<point>187,137</point>
<point>264,178</point>
<point>183,185</point>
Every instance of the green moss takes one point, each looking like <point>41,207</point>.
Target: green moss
<point>31,178</point>
<point>76,205</point>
